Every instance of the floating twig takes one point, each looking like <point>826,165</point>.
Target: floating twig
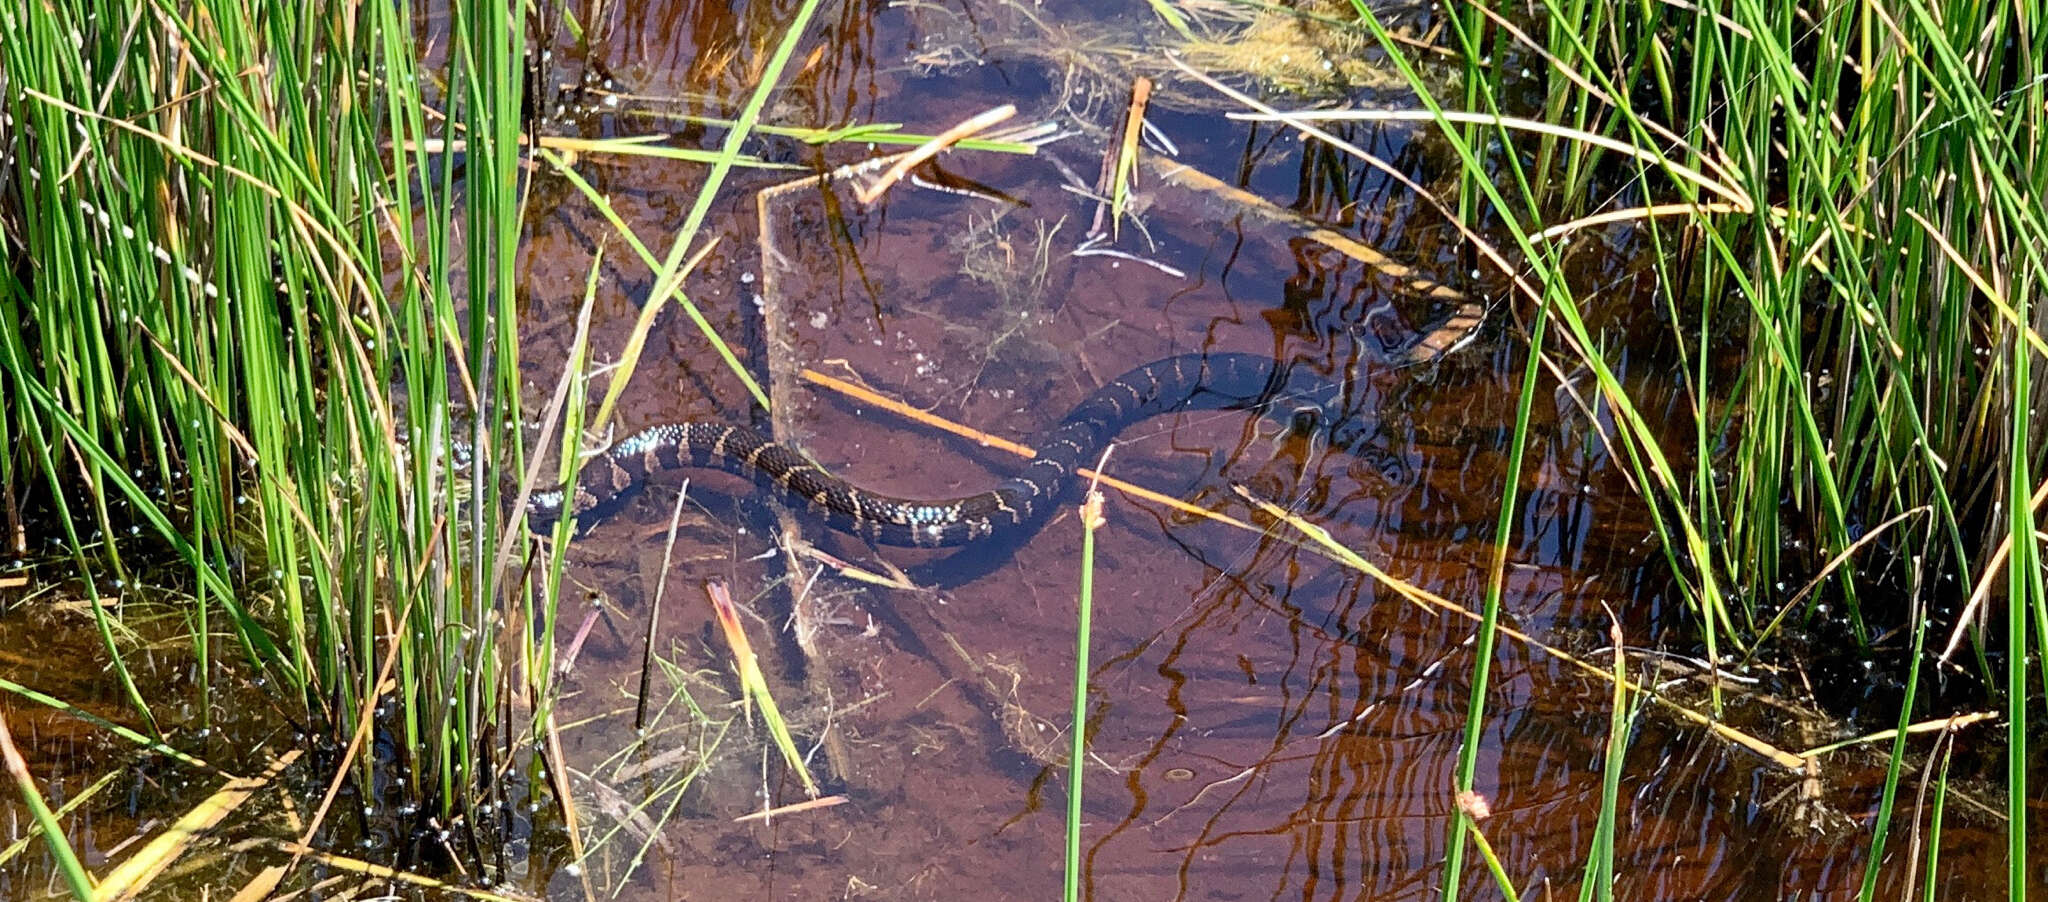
<point>931,148</point>
<point>797,808</point>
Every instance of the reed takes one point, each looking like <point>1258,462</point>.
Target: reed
<point>1077,736</point>
<point>261,299</point>
<point>202,350</point>
<point>1855,188</point>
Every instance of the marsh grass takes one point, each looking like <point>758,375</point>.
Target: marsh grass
<point>199,340</point>
<point>1859,187</point>
<point>1077,733</point>
<point>264,289</point>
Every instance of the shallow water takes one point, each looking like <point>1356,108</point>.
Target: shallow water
<point>1265,723</point>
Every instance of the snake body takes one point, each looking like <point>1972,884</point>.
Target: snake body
<point>1186,382</point>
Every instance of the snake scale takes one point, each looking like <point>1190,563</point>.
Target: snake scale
<point>1186,382</point>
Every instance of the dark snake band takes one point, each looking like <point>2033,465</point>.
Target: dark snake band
<point>1187,382</point>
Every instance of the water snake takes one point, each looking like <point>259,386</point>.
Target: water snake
<point>1185,382</point>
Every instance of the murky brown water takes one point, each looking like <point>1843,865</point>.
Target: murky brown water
<point>1266,724</point>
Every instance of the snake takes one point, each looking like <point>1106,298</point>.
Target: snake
<point>1185,382</point>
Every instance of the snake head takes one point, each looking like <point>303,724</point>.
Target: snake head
<point>1305,420</point>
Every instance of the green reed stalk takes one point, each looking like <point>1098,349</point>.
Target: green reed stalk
<point>1895,764</point>
<point>1639,440</point>
<point>1489,625</point>
<point>2025,596</point>
<point>1876,240</point>
<point>1077,738</point>
<point>1599,880</point>
<point>68,865</point>
<point>207,314</point>
<point>1934,821</point>
<point>668,279</point>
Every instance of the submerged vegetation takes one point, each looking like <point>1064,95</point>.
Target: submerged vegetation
<point>261,255</point>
